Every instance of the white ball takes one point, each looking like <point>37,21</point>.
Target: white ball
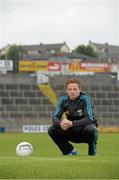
<point>24,149</point>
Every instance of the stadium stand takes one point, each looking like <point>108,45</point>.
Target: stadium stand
<point>23,103</point>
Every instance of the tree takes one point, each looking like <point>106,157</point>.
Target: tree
<point>3,56</point>
<point>87,50</point>
<point>15,53</point>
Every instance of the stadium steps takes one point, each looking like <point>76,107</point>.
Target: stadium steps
<point>48,91</point>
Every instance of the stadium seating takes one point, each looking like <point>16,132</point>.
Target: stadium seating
<point>23,103</point>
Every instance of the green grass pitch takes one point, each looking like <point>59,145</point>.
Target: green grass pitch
<point>47,162</point>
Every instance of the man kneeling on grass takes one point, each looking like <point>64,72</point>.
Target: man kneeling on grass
<point>79,126</point>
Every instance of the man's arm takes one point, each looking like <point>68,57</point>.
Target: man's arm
<point>88,113</point>
<point>57,115</point>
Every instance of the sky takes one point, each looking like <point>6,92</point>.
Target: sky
<point>76,22</point>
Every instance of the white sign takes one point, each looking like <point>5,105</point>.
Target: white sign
<point>6,65</point>
<point>115,68</point>
<point>35,128</point>
<point>42,78</point>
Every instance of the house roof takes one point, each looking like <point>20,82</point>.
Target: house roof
<point>79,56</point>
<point>44,47</point>
<point>63,57</point>
<point>44,56</point>
<point>111,48</point>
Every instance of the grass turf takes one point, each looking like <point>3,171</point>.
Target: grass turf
<point>47,162</point>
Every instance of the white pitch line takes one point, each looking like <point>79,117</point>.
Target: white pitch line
<point>54,159</point>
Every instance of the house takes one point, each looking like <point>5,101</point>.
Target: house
<point>41,48</point>
<point>106,53</point>
<point>4,50</point>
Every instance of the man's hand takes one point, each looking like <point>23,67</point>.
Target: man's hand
<point>66,124</point>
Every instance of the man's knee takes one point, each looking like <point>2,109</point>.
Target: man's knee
<point>91,131</point>
<point>51,130</point>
